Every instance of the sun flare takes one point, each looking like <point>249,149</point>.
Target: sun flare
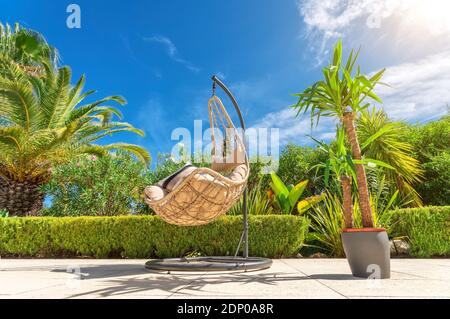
<point>432,15</point>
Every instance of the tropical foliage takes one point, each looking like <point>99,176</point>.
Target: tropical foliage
<point>342,95</point>
<point>431,147</point>
<point>382,139</point>
<point>258,203</point>
<point>342,167</point>
<point>45,123</point>
<point>100,186</point>
<point>327,219</point>
<point>286,197</point>
<point>27,48</point>
<point>295,164</point>
<point>326,224</point>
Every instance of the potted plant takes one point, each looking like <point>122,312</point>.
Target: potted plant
<point>342,95</point>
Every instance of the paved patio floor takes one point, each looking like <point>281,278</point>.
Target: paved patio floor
<point>287,278</point>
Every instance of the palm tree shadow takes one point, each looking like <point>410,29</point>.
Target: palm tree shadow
<point>141,281</point>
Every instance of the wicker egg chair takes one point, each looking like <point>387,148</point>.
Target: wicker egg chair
<point>205,194</point>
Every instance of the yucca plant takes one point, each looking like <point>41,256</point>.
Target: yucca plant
<point>44,123</point>
<point>342,167</point>
<point>381,139</point>
<point>286,197</point>
<point>342,95</point>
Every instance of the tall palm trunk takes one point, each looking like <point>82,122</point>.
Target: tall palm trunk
<point>347,201</point>
<point>22,198</point>
<point>363,191</point>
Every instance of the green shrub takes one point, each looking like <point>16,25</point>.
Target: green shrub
<point>147,236</point>
<point>105,186</point>
<point>427,228</point>
<point>431,146</point>
<point>435,189</point>
<point>295,165</point>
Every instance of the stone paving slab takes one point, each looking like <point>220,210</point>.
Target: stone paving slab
<point>287,278</point>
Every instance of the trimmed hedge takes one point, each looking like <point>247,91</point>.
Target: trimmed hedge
<point>147,236</point>
<point>428,229</point>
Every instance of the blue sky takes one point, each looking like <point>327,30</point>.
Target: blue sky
<point>160,55</point>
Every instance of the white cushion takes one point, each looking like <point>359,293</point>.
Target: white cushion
<point>154,193</point>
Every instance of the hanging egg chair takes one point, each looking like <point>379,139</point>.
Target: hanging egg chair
<point>195,196</point>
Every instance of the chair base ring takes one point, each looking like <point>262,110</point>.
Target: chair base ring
<point>216,263</point>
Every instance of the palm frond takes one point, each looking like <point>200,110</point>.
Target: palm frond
<point>141,153</point>
<point>382,140</point>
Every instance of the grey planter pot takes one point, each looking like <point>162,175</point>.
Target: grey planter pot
<point>368,252</point>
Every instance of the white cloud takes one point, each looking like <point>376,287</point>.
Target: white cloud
<point>296,128</point>
<point>331,16</point>
<point>418,90</point>
<point>403,27</point>
<point>172,51</point>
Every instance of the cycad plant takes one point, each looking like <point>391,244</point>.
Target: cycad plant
<point>45,123</point>
<point>342,95</point>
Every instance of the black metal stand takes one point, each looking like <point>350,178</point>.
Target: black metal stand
<point>225,263</point>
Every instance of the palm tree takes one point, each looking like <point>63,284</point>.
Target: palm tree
<point>43,124</point>
<point>27,48</point>
<point>381,139</point>
<point>341,95</point>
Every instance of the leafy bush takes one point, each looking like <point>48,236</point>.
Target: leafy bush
<point>147,236</point>
<point>427,228</point>
<point>4,213</point>
<point>295,165</point>
<point>435,189</point>
<point>104,186</point>
<point>431,145</point>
